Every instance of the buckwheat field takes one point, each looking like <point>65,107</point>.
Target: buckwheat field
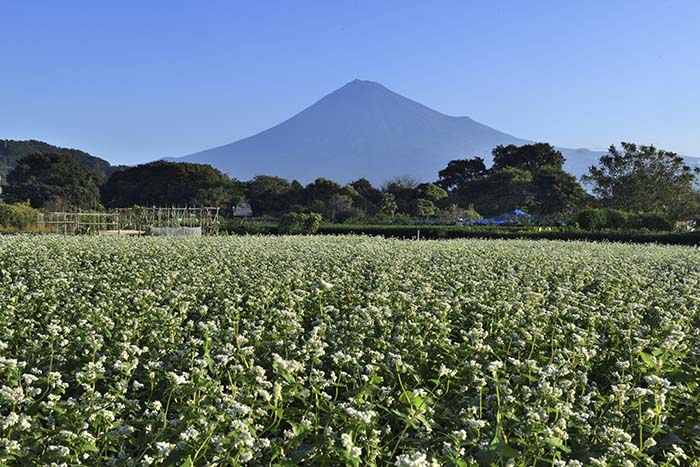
<point>347,351</point>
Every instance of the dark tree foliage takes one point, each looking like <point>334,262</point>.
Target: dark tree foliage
<point>389,206</point>
<point>54,180</point>
<point>365,189</point>
<point>12,151</point>
<point>503,191</point>
<point>431,192</point>
<point>164,183</point>
<point>269,195</point>
<point>19,215</point>
<point>528,157</point>
<point>556,191</point>
<point>424,208</point>
<point>321,190</point>
<point>460,172</point>
<point>335,202</point>
<point>643,178</point>
<point>528,177</point>
<point>404,191</point>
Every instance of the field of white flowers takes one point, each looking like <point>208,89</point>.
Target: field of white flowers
<point>347,351</point>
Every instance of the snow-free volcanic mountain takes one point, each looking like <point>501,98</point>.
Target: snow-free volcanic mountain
<point>365,130</point>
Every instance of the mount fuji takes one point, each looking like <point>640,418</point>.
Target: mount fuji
<point>366,130</point>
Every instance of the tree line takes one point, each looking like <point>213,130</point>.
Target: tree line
<point>530,177</point>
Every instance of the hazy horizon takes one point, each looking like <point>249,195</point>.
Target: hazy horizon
<point>133,82</point>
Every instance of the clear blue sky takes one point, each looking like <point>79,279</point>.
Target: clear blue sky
<point>132,81</point>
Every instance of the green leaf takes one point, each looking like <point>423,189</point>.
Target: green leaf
<point>504,450</point>
<point>670,439</point>
<point>421,418</point>
<point>499,445</point>
<point>557,443</point>
<point>647,359</point>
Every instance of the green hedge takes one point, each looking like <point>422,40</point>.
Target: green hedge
<point>594,219</point>
<point>239,227</point>
<point>449,232</point>
<point>489,232</point>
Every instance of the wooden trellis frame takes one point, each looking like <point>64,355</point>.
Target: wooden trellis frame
<point>135,220</point>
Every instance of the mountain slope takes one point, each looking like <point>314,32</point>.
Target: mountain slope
<point>11,151</point>
<point>360,130</point>
<point>365,130</point>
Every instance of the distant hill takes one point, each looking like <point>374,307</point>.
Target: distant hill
<point>11,151</point>
<point>365,130</point>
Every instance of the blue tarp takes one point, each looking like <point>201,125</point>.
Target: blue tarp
<point>515,216</point>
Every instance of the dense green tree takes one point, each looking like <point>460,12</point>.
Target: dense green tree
<point>365,189</point>
<point>368,200</point>
<point>55,181</point>
<point>321,189</point>
<point>528,157</point>
<point>328,198</point>
<point>12,151</point>
<point>525,177</point>
<point>460,172</point>
<point>505,190</point>
<point>644,178</point>
<point>430,191</point>
<point>424,208</point>
<point>164,183</point>
<point>556,191</point>
<point>340,208</point>
<point>404,191</point>
<point>268,195</point>
<point>389,206</point>
<point>403,182</point>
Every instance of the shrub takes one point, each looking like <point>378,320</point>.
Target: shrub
<point>300,223</point>
<point>592,219</point>
<point>606,218</point>
<point>617,219</point>
<point>653,221</point>
<point>18,216</point>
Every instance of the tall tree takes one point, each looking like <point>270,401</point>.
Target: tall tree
<point>644,178</point>
<point>430,191</point>
<point>505,190</point>
<point>460,172</point>
<point>556,191</point>
<point>528,157</point>
<point>525,177</point>
<point>389,206</point>
<point>365,189</point>
<point>321,189</point>
<point>164,183</point>
<point>424,208</point>
<point>404,191</point>
<point>270,195</point>
<point>54,180</point>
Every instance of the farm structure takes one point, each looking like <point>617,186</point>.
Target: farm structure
<point>134,221</point>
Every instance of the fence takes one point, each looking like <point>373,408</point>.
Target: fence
<point>132,221</point>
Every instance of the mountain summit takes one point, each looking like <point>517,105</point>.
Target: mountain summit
<point>364,130</point>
